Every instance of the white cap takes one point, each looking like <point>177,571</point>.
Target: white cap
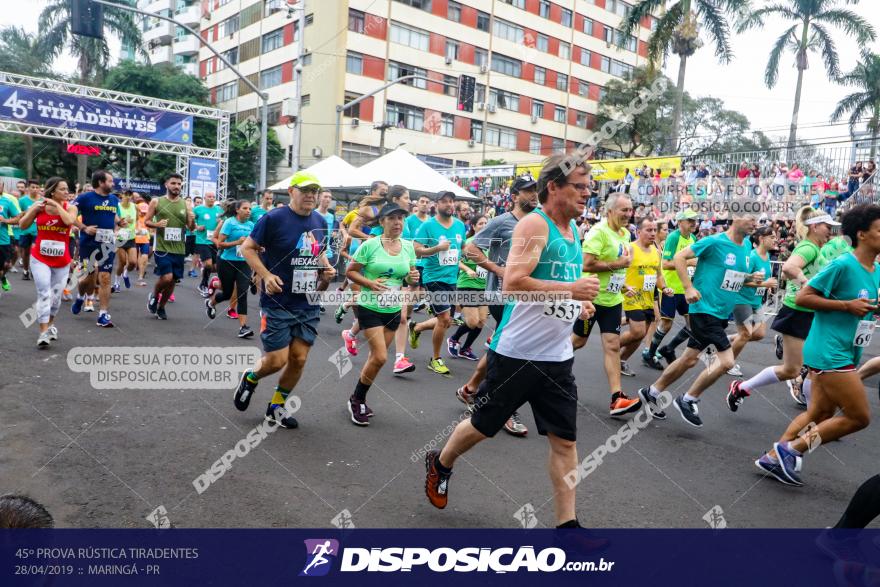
<point>822,219</point>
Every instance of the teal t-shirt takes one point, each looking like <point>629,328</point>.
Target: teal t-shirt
<point>411,227</point>
<point>442,266</point>
<point>722,268</point>
<point>257,213</point>
<point>754,296</point>
<point>207,216</point>
<point>234,230</point>
<point>7,210</point>
<point>834,337</point>
<point>390,270</point>
<point>25,202</point>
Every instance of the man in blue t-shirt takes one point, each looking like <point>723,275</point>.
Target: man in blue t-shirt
<point>99,213</point>
<point>291,265</point>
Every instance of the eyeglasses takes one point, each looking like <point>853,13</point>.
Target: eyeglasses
<point>581,187</point>
<point>310,189</point>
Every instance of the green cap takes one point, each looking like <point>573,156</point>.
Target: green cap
<point>687,214</point>
<point>303,179</point>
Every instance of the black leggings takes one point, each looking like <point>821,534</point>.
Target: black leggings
<point>234,273</point>
<point>864,505</point>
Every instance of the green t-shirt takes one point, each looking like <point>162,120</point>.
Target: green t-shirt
<point>170,238</point>
<point>722,268</point>
<point>835,248</point>
<point>675,243</point>
<point>441,266</point>
<point>126,234</point>
<point>814,261</point>
<point>754,296</point>
<point>207,216</point>
<point>834,336</point>
<point>607,245</point>
<point>24,203</point>
<point>467,282</point>
<point>389,270</point>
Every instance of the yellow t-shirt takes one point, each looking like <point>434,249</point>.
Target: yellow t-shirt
<point>641,275</point>
<point>349,218</point>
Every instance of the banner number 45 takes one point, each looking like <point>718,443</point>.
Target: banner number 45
<point>19,107</point>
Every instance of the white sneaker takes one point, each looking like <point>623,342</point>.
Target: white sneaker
<point>53,333</point>
<point>735,371</point>
<point>43,340</point>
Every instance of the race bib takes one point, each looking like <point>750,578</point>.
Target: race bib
<point>760,291</point>
<point>104,235</point>
<point>650,282</point>
<point>864,332</point>
<point>691,271</point>
<point>238,252</point>
<point>52,248</point>
<point>124,234</point>
<point>616,283</point>
<point>565,310</point>
<point>448,258</point>
<point>482,272</point>
<point>733,280</point>
<point>304,281</point>
<point>173,234</point>
<point>388,299</point>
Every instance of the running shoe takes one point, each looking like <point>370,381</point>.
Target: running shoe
<point>171,300</point>
<point>243,393</point>
<point>772,466</point>
<point>488,342</point>
<point>14,268</point>
<point>735,371</point>
<point>43,340</point>
<point>404,365</point>
<point>736,395</point>
<point>350,343</point>
<point>26,275</point>
<point>104,320</point>
<point>5,284</point>
<point>358,411</point>
<point>231,314</point>
<point>210,309</point>
<point>53,333</point>
<point>452,346</point>
<point>115,288</point>
<point>457,321</point>
<point>419,307</point>
<point>65,295</point>
<point>77,305</point>
<point>160,314</point>
<point>89,306</point>
<point>413,335</point>
<point>466,397</point>
<point>245,332</point>
<point>436,483</point>
<point>192,273</point>
<point>142,283</point>
<point>625,370</point>
<point>651,362</point>
<point>790,460</point>
<point>322,309</point>
<point>278,413</point>
<point>795,388</point>
<point>203,291</point>
<point>688,410</point>
<point>468,354</point>
<point>650,401</point>
<point>152,304</point>
<point>438,366</point>
<point>340,313</point>
<point>515,427</point>
<point>126,281</point>
<point>620,404</point>
<point>778,341</point>
<point>667,353</point>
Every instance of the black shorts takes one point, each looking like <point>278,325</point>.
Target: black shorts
<point>439,286</point>
<point>473,291</point>
<point>793,322</point>
<point>548,387</point>
<point>640,315</point>
<point>129,244</point>
<point>707,329</point>
<point>26,241</point>
<point>608,318</point>
<point>371,319</point>
<point>670,305</point>
<point>497,312</point>
<point>206,252</point>
<point>6,254</point>
<point>421,270</point>
<point>190,244</point>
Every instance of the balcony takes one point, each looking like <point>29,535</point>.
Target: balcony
<point>189,68</point>
<point>189,15</point>
<point>187,45</point>
<point>163,32</point>
<point>156,5</point>
<point>161,54</point>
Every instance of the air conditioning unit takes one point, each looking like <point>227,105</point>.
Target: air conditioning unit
<point>448,60</point>
<point>355,122</point>
<point>534,118</point>
<point>288,107</point>
<point>492,108</point>
<point>471,143</point>
<point>317,153</point>
<point>481,106</point>
<point>484,68</point>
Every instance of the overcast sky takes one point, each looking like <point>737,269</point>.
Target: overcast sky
<point>740,84</point>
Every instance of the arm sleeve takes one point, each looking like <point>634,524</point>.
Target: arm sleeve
<point>806,252</point>
<point>260,233</point>
<point>670,246</point>
<point>423,235</point>
<point>225,229</point>
<point>702,246</point>
<point>594,242</point>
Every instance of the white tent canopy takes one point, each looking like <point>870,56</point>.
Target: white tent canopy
<point>332,172</point>
<point>401,167</point>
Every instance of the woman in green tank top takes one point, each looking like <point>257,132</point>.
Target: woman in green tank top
<point>471,278</point>
<point>126,250</point>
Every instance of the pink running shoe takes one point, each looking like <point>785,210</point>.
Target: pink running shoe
<point>403,366</point>
<point>350,343</point>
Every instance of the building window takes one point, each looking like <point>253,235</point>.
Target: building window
<point>618,7</point>
<point>566,17</point>
<point>452,49</point>
<point>447,125</point>
<point>476,131</point>
<point>509,31</point>
<point>540,75</point>
<point>535,144</point>
<point>482,21</point>
<point>503,99</point>
<point>307,59</point>
<point>421,4</point>
<point>537,109</point>
<point>229,26</point>
<point>396,70</point>
<point>630,44</point>
<point>479,93</point>
<point>500,136</point>
<point>453,12</point>
<point>558,145</point>
<point>355,21</point>
<point>517,3</point>
<point>481,57</point>
<point>354,63</point>
<point>272,41</point>
<point>209,66</point>
<point>588,26</point>
<point>309,19</point>
<point>405,116</point>
<point>274,114</point>
<point>581,119</point>
<point>227,92</point>
<point>450,85</point>
<point>506,65</point>
<point>270,78</point>
<point>353,111</point>
<point>564,50</point>
<point>583,88</point>
<point>608,34</point>
<point>544,8</point>
<point>605,64</point>
<point>542,43</point>
<point>231,56</point>
<point>585,57</point>
<point>409,36</point>
<point>620,69</point>
<point>559,114</point>
<point>561,81</point>
<point>601,92</point>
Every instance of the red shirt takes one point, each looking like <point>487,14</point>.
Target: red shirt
<point>743,173</point>
<point>52,246</point>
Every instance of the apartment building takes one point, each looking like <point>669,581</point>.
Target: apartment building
<point>538,69</point>
<point>164,41</point>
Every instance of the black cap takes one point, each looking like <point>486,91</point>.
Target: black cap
<point>523,183</point>
<point>389,209</point>
<point>443,194</point>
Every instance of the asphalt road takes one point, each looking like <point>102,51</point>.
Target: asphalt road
<point>108,458</point>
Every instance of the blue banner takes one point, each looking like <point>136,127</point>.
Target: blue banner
<point>45,108</point>
<point>169,557</point>
<point>203,174</point>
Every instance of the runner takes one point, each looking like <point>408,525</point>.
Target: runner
<point>677,241</point>
<point>267,202</point>
<point>644,279</point>
<point>50,254</point>
<point>14,214</point>
<point>531,356</point>
<point>189,249</point>
<point>26,237</point>
<point>207,217</point>
<point>843,297</point>
<point>380,267</point>
<point>413,222</point>
<point>496,238</point>
<point>607,253</point>
<point>99,214</point>
<point>233,270</point>
<point>142,238</point>
<point>291,265</point>
<point>659,242</point>
<point>325,201</point>
<point>126,248</point>
<point>439,241</point>
<point>793,321</point>
<point>722,270</point>
<point>169,215</point>
<point>472,279</point>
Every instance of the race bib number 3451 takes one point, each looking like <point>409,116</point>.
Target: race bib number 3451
<point>304,281</point>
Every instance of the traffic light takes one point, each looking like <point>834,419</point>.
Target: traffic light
<point>466,86</point>
<point>87,18</point>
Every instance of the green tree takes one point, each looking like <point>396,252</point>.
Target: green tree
<point>864,103</point>
<point>678,31</point>
<point>494,162</point>
<point>708,127</point>
<point>810,33</point>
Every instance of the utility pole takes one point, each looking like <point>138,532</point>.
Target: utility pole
<point>298,69</point>
<point>382,128</point>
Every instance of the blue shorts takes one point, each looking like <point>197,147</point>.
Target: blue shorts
<point>669,305</point>
<point>279,327</point>
<point>441,288</point>
<point>168,264</point>
<point>143,248</point>
<point>91,253</point>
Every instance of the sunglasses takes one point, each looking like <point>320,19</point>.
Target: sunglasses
<point>310,189</point>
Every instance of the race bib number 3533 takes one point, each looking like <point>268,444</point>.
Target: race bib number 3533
<point>565,310</point>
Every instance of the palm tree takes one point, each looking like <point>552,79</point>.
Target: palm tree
<point>678,31</point>
<point>809,33</point>
<point>866,102</point>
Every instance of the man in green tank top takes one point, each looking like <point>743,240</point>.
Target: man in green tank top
<point>169,215</point>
